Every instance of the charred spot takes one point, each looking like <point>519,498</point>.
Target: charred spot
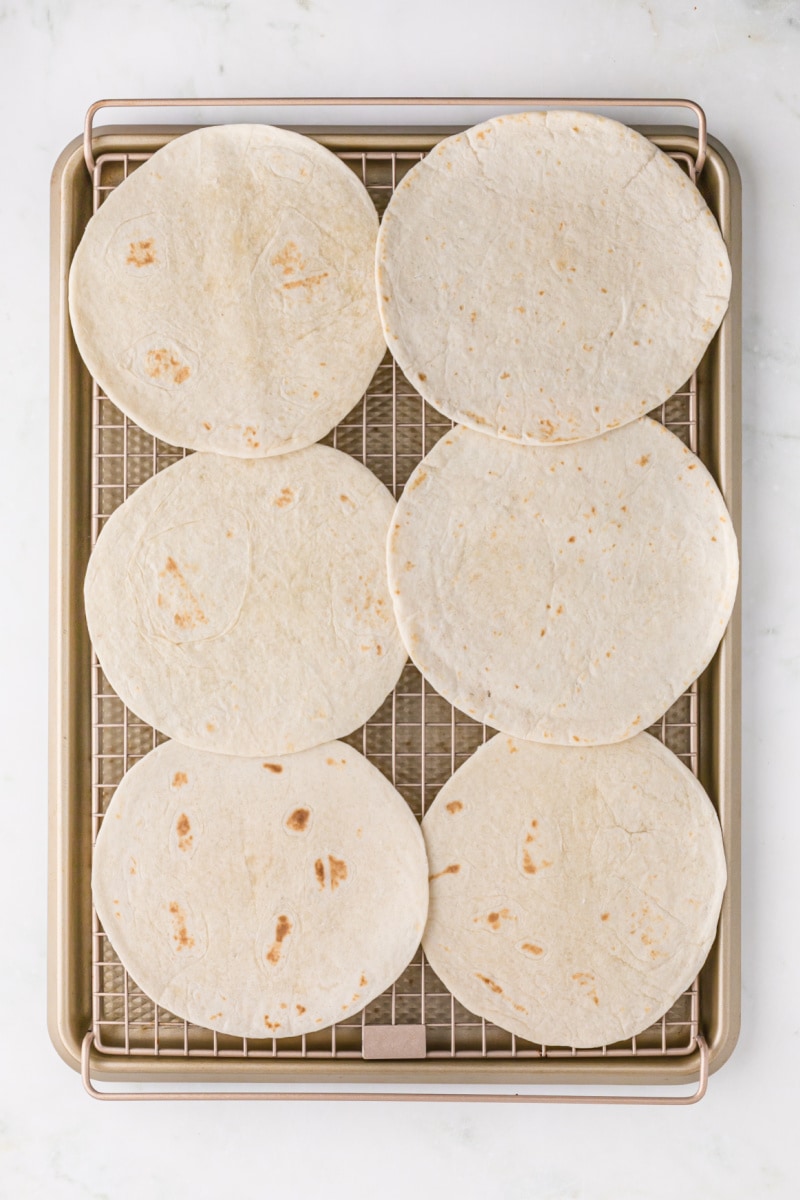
<point>490,983</point>
<point>453,869</point>
<point>298,820</point>
<point>180,935</point>
<point>338,871</point>
<point>141,254</point>
<point>283,927</point>
<point>184,832</point>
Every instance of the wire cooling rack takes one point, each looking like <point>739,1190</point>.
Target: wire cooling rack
<point>416,738</point>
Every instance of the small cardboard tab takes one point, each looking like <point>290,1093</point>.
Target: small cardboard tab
<point>393,1041</point>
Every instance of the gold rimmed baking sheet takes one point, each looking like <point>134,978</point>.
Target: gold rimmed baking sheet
<point>416,738</point>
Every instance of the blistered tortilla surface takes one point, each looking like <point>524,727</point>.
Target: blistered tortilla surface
<point>223,295</point>
<point>260,897</point>
<point>563,593</point>
<point>575,893</point>
<point>549,276</point>
<point>241,605</point>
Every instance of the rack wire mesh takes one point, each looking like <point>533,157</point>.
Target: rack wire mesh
<point>416,738</point>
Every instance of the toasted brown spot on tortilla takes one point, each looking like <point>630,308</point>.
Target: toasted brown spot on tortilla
<point>215,1016</point>
<point>179,779</point>
<point>159,363</point>
<point>286,497</point>
<point>604,916</point>
<point>453,869</point>
<point>454,806</point>
<point>283,927</point>
<point>192,614</point>
<point>180,935</point>
<point>363,981</point>
<point>310,281</point>
<point>420,478</point>
<point>183,829</point>
<point>528,865</point>
<point>298,820</point>
<point>276,768</point>
<point>532,948</point>
<point>319,871</point>
<point>572,538</point>
<point>141,254</point>
<point>271,1024</point>
<point>289,258</point>
<point>494,918</point>
<point>206,425</point>
<point>490,983</point>
<point>338,871</point>
<point>301,1008</point>
<point>644,460</point>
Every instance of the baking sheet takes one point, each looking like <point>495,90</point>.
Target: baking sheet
<point>416,738</point>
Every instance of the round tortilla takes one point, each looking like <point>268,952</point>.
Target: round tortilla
<point>574,893</point>
<point>548,276</point>
<point>563,593</point>
<point>223,296</point>
<point>242,606</point>
<point>260,898</point>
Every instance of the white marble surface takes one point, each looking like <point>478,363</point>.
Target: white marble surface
<point>742,61</point>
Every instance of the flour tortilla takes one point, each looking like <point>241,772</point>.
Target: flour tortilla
<point>242,605</point>
<point>223,295</point>
<point>574,893</point>
<point>262,898</point>
<point>563,593</point>
<point>548,276</point>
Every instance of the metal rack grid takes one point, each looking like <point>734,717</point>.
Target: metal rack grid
<point>416,738</point>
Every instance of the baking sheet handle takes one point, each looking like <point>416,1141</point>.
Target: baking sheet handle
<point>403,1097</point>
<point>399,101</point>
